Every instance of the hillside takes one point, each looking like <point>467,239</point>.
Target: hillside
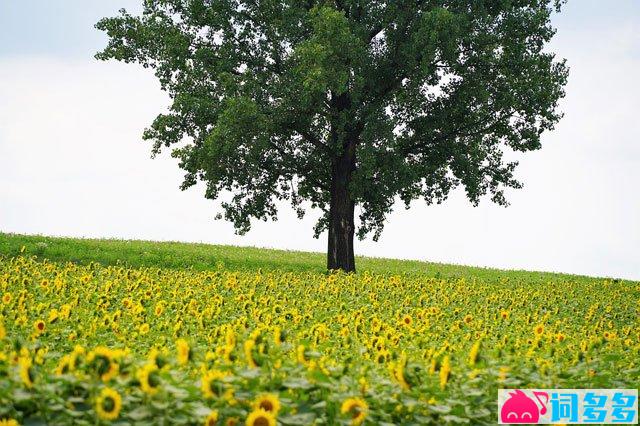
<point>169,333</point>
<point>202,257</point>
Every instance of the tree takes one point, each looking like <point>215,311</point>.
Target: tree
<point>345,103</point>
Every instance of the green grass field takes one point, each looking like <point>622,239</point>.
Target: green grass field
<point>202,257</point>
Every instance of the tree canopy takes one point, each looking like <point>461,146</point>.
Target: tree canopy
<point>345,103</point>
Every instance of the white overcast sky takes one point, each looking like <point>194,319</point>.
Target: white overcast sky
<point>72,161</point>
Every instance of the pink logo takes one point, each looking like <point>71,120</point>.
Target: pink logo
<point>519,408</point>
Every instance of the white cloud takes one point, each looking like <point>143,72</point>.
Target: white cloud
<point>72,163</point>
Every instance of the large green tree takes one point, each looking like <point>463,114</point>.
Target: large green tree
<point>345,103</point>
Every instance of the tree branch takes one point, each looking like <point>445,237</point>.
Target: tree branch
<point>313,140</point>
<point>456,133</point>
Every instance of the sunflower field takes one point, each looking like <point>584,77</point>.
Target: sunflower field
<point>93,344</point>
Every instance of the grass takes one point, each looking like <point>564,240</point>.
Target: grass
<point>176,255</point>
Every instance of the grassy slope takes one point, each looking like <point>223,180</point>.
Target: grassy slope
<point>206,256</point>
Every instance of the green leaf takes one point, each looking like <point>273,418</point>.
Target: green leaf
<point>34,421</point>
<point>441,409</point>
<point>297,419</point>
<point>297,383</point>
<point>139,413</point>
<point>455,419</point>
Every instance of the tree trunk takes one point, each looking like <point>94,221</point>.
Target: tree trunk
<point>341,212</point>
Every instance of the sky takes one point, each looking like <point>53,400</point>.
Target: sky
<point>73,163</point>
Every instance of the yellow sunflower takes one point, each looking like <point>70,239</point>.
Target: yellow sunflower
<point>212,418</point>
<point>9,422</point>
<point>473,354</point>
<point>267,402</point>
<point>158,358</point>
<point>407,321</point>
<point>538,330</point>
<point>103,360</point>
<point>363,385</point>
<point>65,311</point>
<point>108,404</point>
<point>356,408</point>
<point>248,353</point>
<point>184,351</point>
<point>64,365</point>
<point>39,326</point>
<point>382,356</point>
<point>230,337</point>
<point>445,370</point>
<point>397,372</point>
<point>149,380</point>
<point>212,383</point>
<point>300,354</point>
<point>6,299</point>
<point>261,418</point>
<point>26,371</point>
<point>77,352</point>
<point>159,309</point>
<point>277,336</point>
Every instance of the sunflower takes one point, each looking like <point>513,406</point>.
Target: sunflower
<point>445,370</point>
<point>39,326</point>
<point>9,422</point>
<point>504,315</point>
<point>473,354</point>
<point>301,356</point>
<point>467,319</point>
<point>382,356</point>
<point>356,408</point>
<point>6,299</point>
<point>65,311</point>
<point>64,365</point>
<point>184,351</point>
<point>584,346</point>
<point>159,309</point>
<point>212,384</point>
<point>144,328</point>
<point>398,373</point>
<point>277,336</point>
<point>538,330</point>
<point>261,418</point>
<point>108,404</point>
<point>407,321</point>
<point>248,353</point>
<point>26,371</point>
<point>149,380</point>
<point>157,357</point>
<point>230,337</point>
<point>267,402</point>
<point>228,353</point>
<point>3,331</point>
<point>103,361</point>
<point>212,418</point>
<point>77,352</point>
